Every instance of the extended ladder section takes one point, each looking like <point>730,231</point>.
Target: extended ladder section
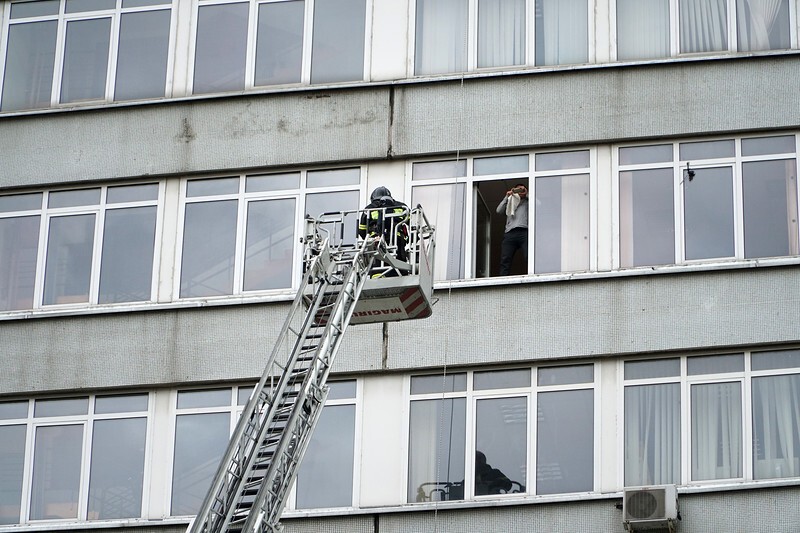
<point>250,488</point>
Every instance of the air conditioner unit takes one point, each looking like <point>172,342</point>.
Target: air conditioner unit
<point>645,508</point>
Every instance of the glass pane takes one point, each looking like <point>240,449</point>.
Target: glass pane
<point>61,407</point>
<point>337,49</point>
<point>34,9</point>
<point>562,160</point>
<point>439,169</point>
<point>329,202</point>
<point>638,155</point>
<point>279,47</point>
<point>642,29</point>
<point>331,178</point>
<point>204,398</point>
<point>768,145</point>
<point>706,150</point>
<point>269,245</point>
<point>20,202</point>
<point>19,246</point>
<point>126,271</point>
<point>562,32</point>
<point>652,434</point>
<point>73,198</point>
<point>438,383</point>
<point>56,472</point>
<point>30,59</point>
<point>120,404</point>
<point>12,465</point>
<point>117,472</point>
<point>770,208</point>
<point>658,368</point>
<point>142,55</point>
<point>272,182</point>
<point>68,266</point>
<point>565,442</point>
<point>501,445</point>
<point>501,33</point>
<point>776,427</point>
<point>565,375</point>
<point>11,410</point>
<point>501,379</point>
<point>200,442</point>
<point>646,217</point>
<point>342,390</point>
<point>483,166</point>
<point>708,212</point>
<point>221,48</point>
<point>441,36</point>
<point>775,360</point>
<point>78,6</point>
<point>85,60</point>
<point>444,207</point>
<point>703,25</point>
<point>209,243</point>
<point>562,224</point>
<point>321,481</point>
<point>212,187</point>
<point>763,25</point>
<point>715,364</point>
<point>143,3</point>
<point>436,450</point>
<point>132,193</point>
<point>243,395</point>
<point>716,431</point>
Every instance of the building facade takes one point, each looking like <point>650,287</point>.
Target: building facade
<point>157,160</point>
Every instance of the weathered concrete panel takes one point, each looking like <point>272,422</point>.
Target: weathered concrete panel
<point>193,136</point>
<point>605,104</point>
<point>601,317</point>
<point>156,348</point>
<point>518,323</point>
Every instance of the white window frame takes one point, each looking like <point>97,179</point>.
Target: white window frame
<point>472,39</point>
<point>470,181</point>
<point>252,35</point>
<point>674,31</point>
<point>111,72</point>
<point>87,422</point>
<point>744,378</point>
<point>530,393</point>
<point>299,194</point>
<point>679,170</point>
<point>98,210</point>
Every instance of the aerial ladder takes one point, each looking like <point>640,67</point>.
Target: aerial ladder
<point>345,280</point>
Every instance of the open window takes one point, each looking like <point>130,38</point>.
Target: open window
<point>490,228</point>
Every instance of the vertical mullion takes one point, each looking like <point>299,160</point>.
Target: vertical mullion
<point>680,235</point>
<point>738,201</point>
<point>472,35</point>
<point>27,469</point>
<point>241,234</point>
<point>97,248</point>
<point>113,52</point>
<point>58,62</point>
<point>250,53</point>
<point>86,460</point>
<point>308,31</point>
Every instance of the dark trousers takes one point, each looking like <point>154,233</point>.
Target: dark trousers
<point>513,240</point>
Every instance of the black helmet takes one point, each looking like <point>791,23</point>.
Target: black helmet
<point>379,192</point>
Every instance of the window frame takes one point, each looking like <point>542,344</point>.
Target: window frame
<point>99,211</point>
<point>680,169</point>
<point>470,181</point>
<point>299,194</point>
<point>674,33</point>
<point>87,422</point>
<point>252,37</point>
<point>62,19</point>
<point>472,29</point>
<point>686,382</point>
<point>530,393</point>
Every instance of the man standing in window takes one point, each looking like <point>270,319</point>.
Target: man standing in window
<point>515,206</point>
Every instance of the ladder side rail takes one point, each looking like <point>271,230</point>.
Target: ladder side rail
<point>269,508</point>
<point>253,414</point>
